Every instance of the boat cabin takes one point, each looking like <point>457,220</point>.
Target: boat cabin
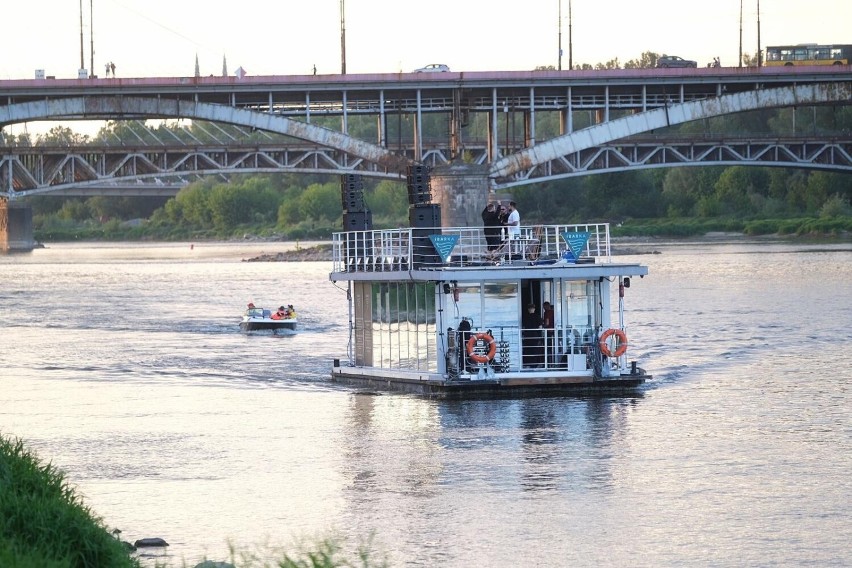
<point>438,311</point>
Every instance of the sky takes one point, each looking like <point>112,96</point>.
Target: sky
<point>161,38</point>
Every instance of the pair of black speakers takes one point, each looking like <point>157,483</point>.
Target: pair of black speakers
<point>352,193</point>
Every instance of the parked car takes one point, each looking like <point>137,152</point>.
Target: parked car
<point>433,68</point>
<point>675,61</point>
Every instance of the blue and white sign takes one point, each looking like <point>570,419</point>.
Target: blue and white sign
<point>444,244</point>
<point>576,241</point>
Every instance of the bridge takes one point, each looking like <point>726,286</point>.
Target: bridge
<point>607,120</point>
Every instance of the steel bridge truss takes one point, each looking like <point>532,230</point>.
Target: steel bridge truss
<point>163,170</point>
<point>163,166</point>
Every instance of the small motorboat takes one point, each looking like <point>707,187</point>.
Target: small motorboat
<point>259,319</point>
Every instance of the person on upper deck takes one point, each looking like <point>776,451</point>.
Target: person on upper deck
<point>513,221</point>
<point>491,221</point>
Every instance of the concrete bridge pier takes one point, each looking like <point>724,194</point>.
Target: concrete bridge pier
<point>16,227</point>
<point>462,192</point>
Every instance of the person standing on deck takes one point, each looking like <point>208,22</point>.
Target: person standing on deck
<point>531,355</point>
<point>548,323</point>
<point>491,222</point>
<point>513,221</point>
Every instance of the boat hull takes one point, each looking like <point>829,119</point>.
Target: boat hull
<point>267,325</point>
<point>497,387</point>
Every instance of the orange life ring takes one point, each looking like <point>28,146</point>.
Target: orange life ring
<point>474,341</point>
<point>621,344</point>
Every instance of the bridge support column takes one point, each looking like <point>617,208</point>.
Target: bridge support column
<point>16,226</point>
<point>462,192</point>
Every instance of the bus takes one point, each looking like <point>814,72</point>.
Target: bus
<point>808,54</point>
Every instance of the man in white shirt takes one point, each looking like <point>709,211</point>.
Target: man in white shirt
<point>513,222</point>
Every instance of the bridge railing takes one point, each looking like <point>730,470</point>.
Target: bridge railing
<point>397,250</point>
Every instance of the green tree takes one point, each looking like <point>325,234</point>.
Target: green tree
<point>321,201</point>
<point>389,200</point>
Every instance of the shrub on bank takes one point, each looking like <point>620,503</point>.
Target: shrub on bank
<point>44,523</point>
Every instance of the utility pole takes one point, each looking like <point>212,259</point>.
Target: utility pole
<point>559,27</point>
<point>82,62</point>
<point>92,41</point>
<point>342,38</point>
<point>759,54</point>
<point>741,33</point>
<point>570,42</point>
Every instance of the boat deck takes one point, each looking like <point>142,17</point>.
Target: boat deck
<point>405,249</point>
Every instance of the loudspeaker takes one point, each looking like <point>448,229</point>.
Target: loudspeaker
<point>419,185</point>
<point>424,216</point>
<point>353,200</point>
<point>358,221</point>
<point>425,220</point>
<point>418,170</point>
<point>352,192</point>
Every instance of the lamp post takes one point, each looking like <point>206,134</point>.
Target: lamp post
<point>342,38</point>
<point>91,40</point>
<point>741,34</point>
<point>82,62</point>
<point>570,43</point>
<point>559,27</point>
<point>759,54</point>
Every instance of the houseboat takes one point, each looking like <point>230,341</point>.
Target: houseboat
<point>439,312</point>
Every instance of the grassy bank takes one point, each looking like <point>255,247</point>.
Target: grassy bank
<point>44,523</point>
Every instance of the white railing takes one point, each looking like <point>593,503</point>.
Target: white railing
<point>390,250</point>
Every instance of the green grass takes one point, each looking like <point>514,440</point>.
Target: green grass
<point>45,524</point>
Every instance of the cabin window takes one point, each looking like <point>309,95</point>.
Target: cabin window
<point>579,309</point>
<point>401,323</point>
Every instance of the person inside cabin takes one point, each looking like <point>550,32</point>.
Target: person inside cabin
<point>531,338</point>
<point>548,323</point>
<point>463,337</point>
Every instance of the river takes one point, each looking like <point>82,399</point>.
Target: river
<point>123,365</point>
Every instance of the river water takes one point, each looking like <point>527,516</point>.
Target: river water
<point>123,365</point>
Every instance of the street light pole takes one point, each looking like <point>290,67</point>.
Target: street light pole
<point>91,41</point>
<point>741,34</point>
<point>559,26</point>
<point>759,54</point>
<point>82,62</point>
<point>342,38</point>
<point>570,42</point>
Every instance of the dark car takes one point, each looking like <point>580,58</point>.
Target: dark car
<point>675,61</point>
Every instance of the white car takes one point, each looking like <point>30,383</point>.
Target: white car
<point>433,68</point>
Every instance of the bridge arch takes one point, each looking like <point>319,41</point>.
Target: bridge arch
<point>110,107</point>
<point>669,115</point>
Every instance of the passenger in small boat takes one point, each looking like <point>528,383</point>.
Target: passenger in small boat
<point>280,314</point>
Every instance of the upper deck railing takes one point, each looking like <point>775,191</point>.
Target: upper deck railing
<point>399,250</point>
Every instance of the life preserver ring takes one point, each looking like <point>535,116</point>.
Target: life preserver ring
<point>621,343</point>
<point>473,343</point>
